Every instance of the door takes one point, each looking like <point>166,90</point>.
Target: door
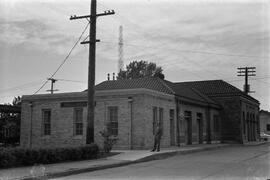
<point>172,130</point>
<point>188,122</point>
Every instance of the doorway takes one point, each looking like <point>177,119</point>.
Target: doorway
<point>172,129</point>
<point>188,128</point>
<point>200,128</point>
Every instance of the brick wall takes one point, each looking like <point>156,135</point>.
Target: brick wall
<point>62,132</point>
<point>183,125</point>
<point>142,118</point>
<point>232,117</point>
<point>264,120</point>
<point>61,124</point>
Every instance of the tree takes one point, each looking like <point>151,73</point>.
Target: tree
<point>17,101</point>
<point>10,123</point>
<point>139,69</point>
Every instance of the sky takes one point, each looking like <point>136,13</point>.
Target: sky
<point>192,40</point>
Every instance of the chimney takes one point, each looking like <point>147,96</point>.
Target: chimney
<point>108,76</point>
<point>113,76</point>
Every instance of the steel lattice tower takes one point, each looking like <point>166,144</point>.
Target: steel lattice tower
<point>120,49</point>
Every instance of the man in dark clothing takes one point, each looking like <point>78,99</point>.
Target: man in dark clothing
<point>158,135</point>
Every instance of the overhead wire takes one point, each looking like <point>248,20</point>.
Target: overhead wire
<point>65,59</point>
<point>186,51</point>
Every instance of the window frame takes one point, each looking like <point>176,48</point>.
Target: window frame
<point>113,120</point>
<point>77,121</point>
<point>46,123</point>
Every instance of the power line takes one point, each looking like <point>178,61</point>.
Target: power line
<point>91,66</point>
<point>188,51</point>
<point>194,51</point>
<point>63,62</point>
<point>68,80</point>
<point>263,77</point>
<point>22,86</point>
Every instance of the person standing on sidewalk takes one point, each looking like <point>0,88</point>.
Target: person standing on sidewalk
<point>158,135</point>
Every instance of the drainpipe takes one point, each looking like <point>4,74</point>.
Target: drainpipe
<point>130,100</point>
<point>31,123</point>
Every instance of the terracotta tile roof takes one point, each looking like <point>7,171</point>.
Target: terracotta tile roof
<point>183,90</point>
<point>155,84</point>
<point>216,88</point>
<point>197,91</point>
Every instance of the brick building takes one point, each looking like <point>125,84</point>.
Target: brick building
<point>190,112</point>
<point>265,122</point>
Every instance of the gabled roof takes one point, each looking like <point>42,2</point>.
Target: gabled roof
<point>180,90</point>
<point>200,92</point>
<point>213,88</point>
<point>151,83</point>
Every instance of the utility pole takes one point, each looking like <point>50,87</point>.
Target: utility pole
<point>246,71</point>
<point>91,67</point>
<point>52,82</point>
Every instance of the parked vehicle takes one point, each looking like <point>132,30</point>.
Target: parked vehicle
<point>264,136</point>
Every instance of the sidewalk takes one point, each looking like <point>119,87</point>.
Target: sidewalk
<point>124,158</point>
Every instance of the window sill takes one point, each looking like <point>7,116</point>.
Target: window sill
<point>78,137</point>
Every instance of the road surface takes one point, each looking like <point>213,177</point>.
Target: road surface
<point>234,162</point>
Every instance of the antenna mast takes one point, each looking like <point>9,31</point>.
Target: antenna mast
<point>120,50</point>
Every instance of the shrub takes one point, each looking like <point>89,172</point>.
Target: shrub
<point>10,157</point>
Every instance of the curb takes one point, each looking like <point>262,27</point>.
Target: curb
<point>152,157</point>
<point>258,144</point>
<point>173,153</point>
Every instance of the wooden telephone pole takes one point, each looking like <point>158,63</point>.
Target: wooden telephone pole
<point>52,82</point>
<point>91,67</point>
<point>246,71</point>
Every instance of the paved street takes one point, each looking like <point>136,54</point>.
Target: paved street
<point>238,162</point>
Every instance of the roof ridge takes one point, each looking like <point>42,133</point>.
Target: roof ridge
<point>240,91</point>
<point>199,81</point>
<point>166,85</point>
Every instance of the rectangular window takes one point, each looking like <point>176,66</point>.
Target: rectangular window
<point>78,121</point>
<point>46,119</point>
<point>113,120</point>
<point>268,127</point>
<point>154,119</point>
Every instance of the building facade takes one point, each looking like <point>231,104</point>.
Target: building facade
<point>132,109</point>
<point>265,122</point>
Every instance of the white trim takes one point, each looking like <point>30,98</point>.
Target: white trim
<point>98,93</point>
